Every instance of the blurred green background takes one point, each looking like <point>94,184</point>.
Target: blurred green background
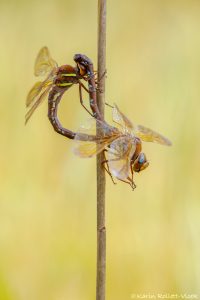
<point>47,195</point>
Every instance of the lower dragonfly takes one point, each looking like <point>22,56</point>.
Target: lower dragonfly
<point>58,80</point>
<point>122,145</point>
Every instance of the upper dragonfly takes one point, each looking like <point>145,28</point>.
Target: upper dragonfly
<point>122,144</point>
<point>62,78</point>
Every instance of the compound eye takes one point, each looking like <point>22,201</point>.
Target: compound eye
<point>82,69</point>
<point>141,158</point>
<point>78,57</point>
<point>84,63</point>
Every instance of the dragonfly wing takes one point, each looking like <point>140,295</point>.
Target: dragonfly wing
<point>36,104</point>
<point>36,90</point>
<point>148,135</point>
<point>144,133</point>
<point>44,63</point>
<point>88,149</point>
<point>121,119</point>
<point>119,156</point>
<point>96,141</point>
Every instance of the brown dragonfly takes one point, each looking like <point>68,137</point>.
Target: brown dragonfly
<point>122,145</point>
<point>85,69</point>
<point>57,81</point>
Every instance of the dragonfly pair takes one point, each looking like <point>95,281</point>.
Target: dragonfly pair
<point>121,144</point>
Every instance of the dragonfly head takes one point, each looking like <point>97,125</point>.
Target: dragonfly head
<point>140,163</point>
<point>83,63</point>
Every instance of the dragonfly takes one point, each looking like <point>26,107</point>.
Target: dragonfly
<point>121,145</point>
<point>85,69</point>
<point>57,81</point>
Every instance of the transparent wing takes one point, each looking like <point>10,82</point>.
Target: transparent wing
<point>39,100</point>
<point>148,135</point>
<point>144,133</point>
<point>44,63</point>
<point>119,156</point>
<point>96,141</point>
<point>36,90</point>
<point>121,120</point>
<point>88,149</point>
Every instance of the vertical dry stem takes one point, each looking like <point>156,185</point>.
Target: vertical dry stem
<point>101,229</point>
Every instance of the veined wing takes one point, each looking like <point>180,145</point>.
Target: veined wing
<point>88,149</point>
<point>119,118</point>
<point>144,133</point>
<point>96,141</point>
<point>36,90</point>
<point>44,63</point>
<point>39,100</point>
<point>148,135</point>
<point>119,156</point>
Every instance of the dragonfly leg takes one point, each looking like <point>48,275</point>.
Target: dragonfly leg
<point>101,77</point>
<point>130,182</point>
<point>81,99</point>
<point>132,175</point>
<point>105,162</point>
<point>97,81</point>
<point>109,105</point>
<point>83,86</point>
<point>133,185</point>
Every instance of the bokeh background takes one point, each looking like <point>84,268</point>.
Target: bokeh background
<point>48,196</point>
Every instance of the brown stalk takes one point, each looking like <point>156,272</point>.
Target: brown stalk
<point>101,181</point>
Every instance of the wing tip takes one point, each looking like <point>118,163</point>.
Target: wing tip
<point>168,143</point>
<point>26,120</point>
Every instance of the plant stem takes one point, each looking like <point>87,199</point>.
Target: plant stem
<point>101,181</point>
